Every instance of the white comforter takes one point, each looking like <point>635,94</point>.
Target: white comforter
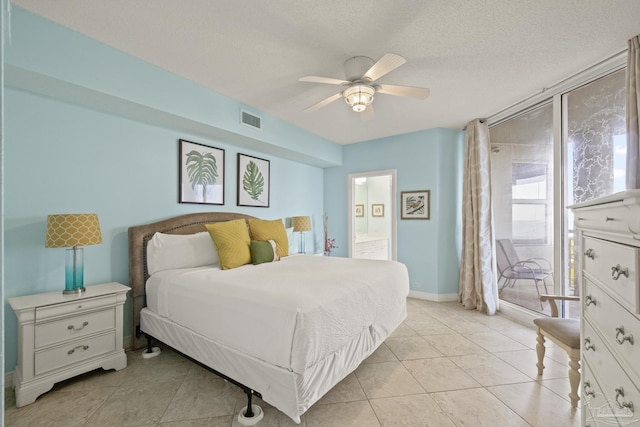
<point>291,313</point>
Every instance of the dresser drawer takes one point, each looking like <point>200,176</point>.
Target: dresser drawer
<point>57,331</point>
<point>73,307</point>
<point>614,382</point>
<point>619,328</point>
<point>596,410</point>
<point>612,217</point>
<point>73,352</point>
<point>616,267</point>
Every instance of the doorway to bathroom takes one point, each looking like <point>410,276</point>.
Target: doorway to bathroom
<point>372,215</point>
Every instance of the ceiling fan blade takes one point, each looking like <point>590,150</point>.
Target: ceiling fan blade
<point>410,91</point>
<point>324,102</point>
<point>386,64</point>
<point>368,113</point>
<point>326,80</point>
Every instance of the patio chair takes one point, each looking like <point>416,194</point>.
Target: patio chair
<point>565,333</point>
<point>511,268</point>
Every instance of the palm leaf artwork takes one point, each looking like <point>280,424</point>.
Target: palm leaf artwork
<point>414,205</point>
<point>253,181</point>
<point>202,169</point>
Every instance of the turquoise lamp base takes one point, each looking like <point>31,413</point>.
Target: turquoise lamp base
<point>74,271</point>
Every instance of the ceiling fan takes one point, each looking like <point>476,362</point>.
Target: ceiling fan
<point>361,72</point>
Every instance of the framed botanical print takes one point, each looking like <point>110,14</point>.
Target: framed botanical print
<point>377,210</point>
<point>201,174</point>
<point>415,204</point>
<point>253,181</point>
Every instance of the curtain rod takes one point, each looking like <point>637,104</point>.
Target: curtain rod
<point>558,83</point>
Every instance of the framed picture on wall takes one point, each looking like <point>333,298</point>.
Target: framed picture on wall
<point>201,174</point>
<point>415,204</point>
<point>253,181</point>
<point>377,209</point>
<point>359,210</point>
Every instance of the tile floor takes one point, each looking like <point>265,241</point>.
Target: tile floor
<point>443,367</point>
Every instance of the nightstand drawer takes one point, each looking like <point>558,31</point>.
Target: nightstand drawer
<point>616,267</point>
<point>73,352</point>
<point>72,307</point>
<point>57,331</point>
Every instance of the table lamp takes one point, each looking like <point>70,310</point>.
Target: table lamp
<point>301,224</point>
<point>71,231</point>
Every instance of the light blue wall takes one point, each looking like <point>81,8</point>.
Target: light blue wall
<point>425,160</point>
<point>81,136</point>
<point>91,129</point>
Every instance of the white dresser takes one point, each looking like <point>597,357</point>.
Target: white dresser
<point>608,235</point>
<point>61,336</point>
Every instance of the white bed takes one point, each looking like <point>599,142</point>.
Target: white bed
<point>289,330</point>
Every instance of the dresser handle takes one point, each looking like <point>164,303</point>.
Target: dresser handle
<point>581,218</point>
<point>607,219</point>
<point>616,271</point>
<point>73,328</point>
<point>620,330</point>
<point>589,300</point>
<point>589,253</point>
<point>589,392</point>
<point>620,393</point>
<point>80,347</point>
<point>588,346</point>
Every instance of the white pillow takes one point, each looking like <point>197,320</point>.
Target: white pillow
<point>169,251</point>
<point>292,241</point>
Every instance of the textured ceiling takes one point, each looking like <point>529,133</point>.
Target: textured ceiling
<point>477,57</point>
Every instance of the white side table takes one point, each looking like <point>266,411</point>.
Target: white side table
<point>61,336</point>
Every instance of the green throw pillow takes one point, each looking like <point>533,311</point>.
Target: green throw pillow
<point>263,251</point>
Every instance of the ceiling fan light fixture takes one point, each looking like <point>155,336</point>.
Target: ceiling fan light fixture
<point>359,97</point>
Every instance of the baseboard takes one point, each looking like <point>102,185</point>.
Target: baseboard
<point>8,376</point>
<point>433,297</point>
<point>8,379</point>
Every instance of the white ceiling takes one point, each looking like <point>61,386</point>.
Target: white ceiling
<point>477,57</point>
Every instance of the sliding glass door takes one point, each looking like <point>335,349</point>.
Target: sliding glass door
<point>595,153</point>
<point>522,188</point>
<point>579,138</point>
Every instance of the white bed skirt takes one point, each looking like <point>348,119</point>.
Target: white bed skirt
<point>292,393</point>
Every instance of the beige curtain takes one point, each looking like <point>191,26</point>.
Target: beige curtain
<point>478,286</point>
<point>633,105</point>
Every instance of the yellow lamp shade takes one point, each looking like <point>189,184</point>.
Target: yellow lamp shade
<point>70,230</point>
<point>301,223</point>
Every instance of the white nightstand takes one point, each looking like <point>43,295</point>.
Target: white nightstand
<point>61,336</point>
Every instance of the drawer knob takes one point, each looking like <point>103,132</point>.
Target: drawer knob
<point>617,271</point>
<point>607,219</point>
<point>589,300</point>
<point>588,346</point>
<point>620,331</point>
<point>621,405</point>
<point>587,389</point>
<point>73,328</point>
<point>589,253</point>
<point>80,347</point>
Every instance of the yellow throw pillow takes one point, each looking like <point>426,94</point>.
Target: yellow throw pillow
<point>232,241</point>
<point>262,229</point>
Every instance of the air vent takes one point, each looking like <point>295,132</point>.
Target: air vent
<point>250,120</point>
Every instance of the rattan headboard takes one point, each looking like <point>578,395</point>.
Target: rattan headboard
<point>139,236</point>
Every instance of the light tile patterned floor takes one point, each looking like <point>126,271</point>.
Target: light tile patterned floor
<point>443,367</point>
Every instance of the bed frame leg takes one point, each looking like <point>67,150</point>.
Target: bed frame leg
<point>249,411</point>
<point>150,351</point>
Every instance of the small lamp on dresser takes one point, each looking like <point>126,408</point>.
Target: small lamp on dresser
<point>301,224</point>
<point>70,231</point>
